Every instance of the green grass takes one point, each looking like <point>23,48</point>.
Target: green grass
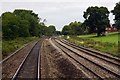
<point>8,46</point>
<point>107,44</point>
<point>111,37</point>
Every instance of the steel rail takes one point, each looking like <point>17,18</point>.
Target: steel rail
<point>22,63</point>
<point>94,51</point>
<point>91,53</point>
<point>91,71</point>
<point>110,71</point>
<point>14,53</point>
<point>39,60</point>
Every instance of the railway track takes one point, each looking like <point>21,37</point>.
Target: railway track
<point>24,63</point>
<point>29,68</point>
<point>12,62</point>
<point>93,51</point>
<point>108,58</point>
<point>100,66</point>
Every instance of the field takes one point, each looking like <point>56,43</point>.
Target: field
<point>111,37</point>
<point>107,44</point>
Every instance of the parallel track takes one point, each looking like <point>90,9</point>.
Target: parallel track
<point>12,62</point>
<point>113,60</point>
<point>64,49</point>
<point>93,51</point>
<point>29,68</point>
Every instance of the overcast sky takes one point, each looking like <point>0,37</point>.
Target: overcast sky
<point>57,12</point>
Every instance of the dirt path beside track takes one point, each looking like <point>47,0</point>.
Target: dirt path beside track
<point>55,65</point>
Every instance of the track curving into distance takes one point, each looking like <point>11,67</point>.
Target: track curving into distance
<point>97,66</point>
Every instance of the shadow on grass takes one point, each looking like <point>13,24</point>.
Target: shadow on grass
<point>103,35</point>
<point>93,36</point>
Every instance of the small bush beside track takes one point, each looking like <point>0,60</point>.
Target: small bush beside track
<point>8,46</point>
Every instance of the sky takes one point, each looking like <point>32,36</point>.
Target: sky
<point>57,12</point>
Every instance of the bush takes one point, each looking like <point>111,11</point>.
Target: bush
<point>8,46</point>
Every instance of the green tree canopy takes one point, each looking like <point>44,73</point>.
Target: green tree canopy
<point>31,17</point>
<point>74,28</point>
<point>50,30</point>
<point>42,29</point>
<point>24,23</point>
<point>66,30</point>
<point>24,28</point>
<point>10,25</point>
<point>116,12</point>
<point>96,18</point>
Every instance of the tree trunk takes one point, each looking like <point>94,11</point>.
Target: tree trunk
<point>98,34</point>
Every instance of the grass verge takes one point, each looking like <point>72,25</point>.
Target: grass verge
<point>8,46</point>
<point>107,47</point>
<point>110,37</point>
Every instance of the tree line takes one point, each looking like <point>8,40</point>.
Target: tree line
<point>96,21</point>
<point>24,23</point>
<point>74,28</point>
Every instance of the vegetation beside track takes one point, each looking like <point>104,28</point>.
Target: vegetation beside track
<point>0,49</point>
<point>107,44</point>
<point>110,37</point>
<point>8,46</point>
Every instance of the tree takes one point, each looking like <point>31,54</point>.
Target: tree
<point>10,25</point>
<point>24,28</point>
<point>74,28</point>
<point>116,12</point>
<point>50,30</point>
<point>32,18</point>
<point>24,23</point>
<point>58,33</point>
<point>0,28</point>
<point>42,29</point>
<point>46,31</point>
<point>66,30</point>
<point>96,18</point>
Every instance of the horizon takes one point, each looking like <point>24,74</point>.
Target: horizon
<point>58,13</point>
